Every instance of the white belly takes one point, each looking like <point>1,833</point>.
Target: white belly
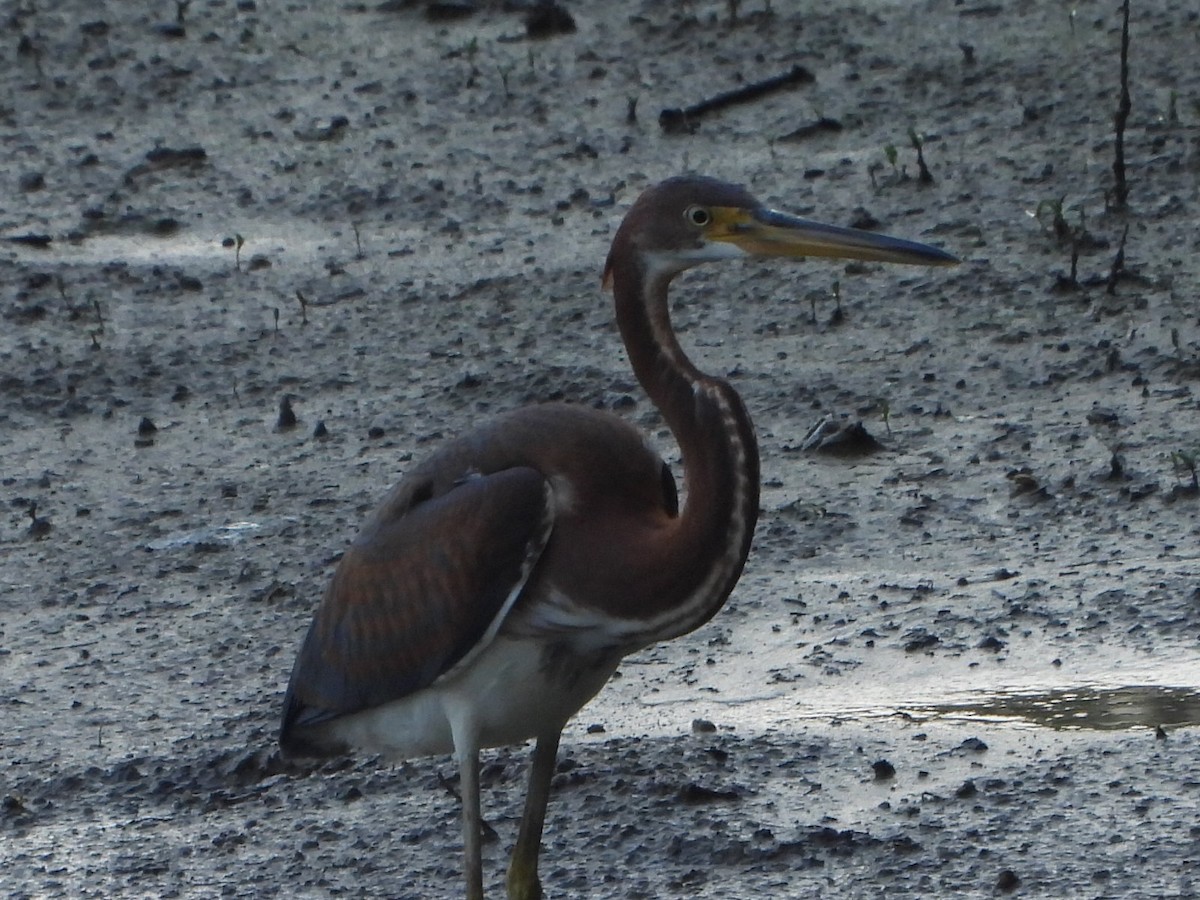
<point>514,690</point>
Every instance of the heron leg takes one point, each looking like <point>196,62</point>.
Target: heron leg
<point>472,819</point>
<point>523,881</point>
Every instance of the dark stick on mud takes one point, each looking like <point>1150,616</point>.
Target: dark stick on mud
<point>682,121</point>
<point>1121,188</point>
<point>924,176</point>
<point>1118,265</point>
<point>40,241</point>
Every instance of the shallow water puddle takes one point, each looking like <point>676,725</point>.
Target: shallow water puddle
<point>1085,706</point>
<point>1110,693</point>
<point>1130,696</point>
<point>1097,707</point>
<point>1118,692</point>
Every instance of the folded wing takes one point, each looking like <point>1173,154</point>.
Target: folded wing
<point>425,585</point>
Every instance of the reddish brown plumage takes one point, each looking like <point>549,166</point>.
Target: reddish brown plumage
<point>501,582</point>
<point>419,586</point>
<point>394,618</point>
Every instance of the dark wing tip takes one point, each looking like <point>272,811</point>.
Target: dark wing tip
<point>299,731</point>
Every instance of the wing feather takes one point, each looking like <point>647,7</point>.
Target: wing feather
<point>422,587</point>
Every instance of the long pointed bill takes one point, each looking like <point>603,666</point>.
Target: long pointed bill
<point>767,232</point>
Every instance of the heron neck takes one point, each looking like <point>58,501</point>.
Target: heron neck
<point>716,440</point>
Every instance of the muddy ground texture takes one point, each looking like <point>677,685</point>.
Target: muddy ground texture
<point>963,664</point>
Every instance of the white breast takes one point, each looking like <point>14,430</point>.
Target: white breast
<point>516,689</point>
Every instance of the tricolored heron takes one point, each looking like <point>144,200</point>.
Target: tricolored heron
<point>500,583</point>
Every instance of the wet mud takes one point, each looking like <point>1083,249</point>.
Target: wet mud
<point>964,659</point>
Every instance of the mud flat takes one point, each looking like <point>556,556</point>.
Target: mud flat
<point>966,664</point>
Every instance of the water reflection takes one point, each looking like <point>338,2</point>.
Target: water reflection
<point>1078,707</point>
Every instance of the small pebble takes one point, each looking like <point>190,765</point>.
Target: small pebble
<point>883,770</point>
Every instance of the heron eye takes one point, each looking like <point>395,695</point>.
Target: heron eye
<point>698,215</point>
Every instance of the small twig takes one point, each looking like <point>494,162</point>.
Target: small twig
<point>871,170</point>
<point>1118,265</point>
<point>681,121</point>
<point>75,646</point>
<point>1121,188</point>
<point>837,317</point>
<point>924,176</point>
<point>820,125</point>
